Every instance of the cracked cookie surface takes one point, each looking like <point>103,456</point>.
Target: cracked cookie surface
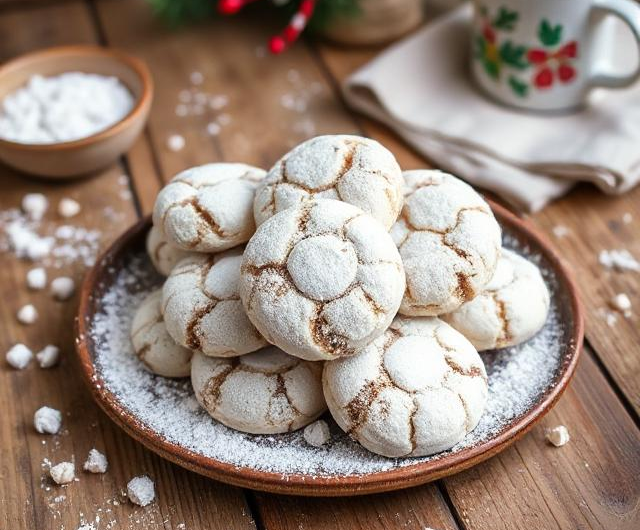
<point>512,308</point>
<point>265,392</point>
<point>208,208</point>
<point>322,280</point>
<point>163,254</point>
<point>415,391</point>
<point>353,169</point>
<point>152,343</point>
<point>202,307</point>
<point>449,241</point>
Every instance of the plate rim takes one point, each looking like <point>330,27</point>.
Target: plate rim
<point>326,486</point>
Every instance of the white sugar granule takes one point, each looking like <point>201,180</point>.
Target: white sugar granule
<point>37,279</point>
<point>48,356</point>
<point>63,108</point>
<point>140,490</point>
<point>35,205</point>
<point>518,377</point>
<point>622,303</point>
<point>62,288</point>
<point>176,142</point>
<point>627,218</point>
<point>68,207</point>
<point>19,356</point>
<point>560,231</point>
<point>317,433</point>
<point>27,314</point>
<point>47,420</point>
<point>557,436</point>
<point>196,78</point>
<point>619,259</point>
<point>96,462</point>
<point>63,473</point>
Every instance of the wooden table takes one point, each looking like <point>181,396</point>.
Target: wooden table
<point>593,482</point>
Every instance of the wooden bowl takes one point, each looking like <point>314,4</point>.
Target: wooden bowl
<point>78,157</point>
<point>131,242</point>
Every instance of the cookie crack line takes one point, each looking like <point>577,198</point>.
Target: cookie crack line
<point>412,425</point>
<point>281,390</point>
<point>191,332</point>
<point>501,313</point>
<point>347,164</point>
<point>211,393</point>
<point>148,325</point>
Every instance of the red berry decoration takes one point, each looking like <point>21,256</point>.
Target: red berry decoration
<point>537,56</point>
<point>277,45</point>
<point>230,7</point>
<point>569,50</point>
<point>544,78</point>
<point>566,73</point>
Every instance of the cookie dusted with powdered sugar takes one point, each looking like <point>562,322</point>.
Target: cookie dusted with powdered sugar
<point>352,169</point>
<point>202,307</point>
<point>417,390</point>
<point>208,208</point>
<point>264,392</point>
<point>153,345</point>
<point>322,280</point>
<point>163,254</point>
<point>449,241</point>
<point>512,308</point>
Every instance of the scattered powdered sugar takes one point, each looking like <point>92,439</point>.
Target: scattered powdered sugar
<point>619,259</point>
<point>518,377</point>
<point>48,244</point>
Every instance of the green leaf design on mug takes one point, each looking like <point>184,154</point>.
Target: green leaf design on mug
<point>505,19</point>
<point>514,55</point>
<point>520,88</point>
<point>549,35</point>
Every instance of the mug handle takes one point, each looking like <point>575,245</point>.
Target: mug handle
<point>629,12</point>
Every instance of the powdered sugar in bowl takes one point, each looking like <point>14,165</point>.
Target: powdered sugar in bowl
<point>87,139</point>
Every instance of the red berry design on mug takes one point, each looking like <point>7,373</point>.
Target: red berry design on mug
<point>566,73</point>
<point>537,56</point>
<point>543,78</point>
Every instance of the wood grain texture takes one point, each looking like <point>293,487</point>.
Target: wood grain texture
<point>594,222</point>
<point>28,498</point>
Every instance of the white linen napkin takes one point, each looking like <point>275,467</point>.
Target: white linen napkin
<point>420,87</point>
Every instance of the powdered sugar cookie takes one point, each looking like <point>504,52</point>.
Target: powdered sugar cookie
<point>163,254</point>
<point>449,242</point>
<point>352,169</point>
<point>264,392</point>
<point>208,208</point>
<point>511,309</point>
<point>202,307</point>
<point>153,345</point>
<point>417,390</point>
<point>321,281</point>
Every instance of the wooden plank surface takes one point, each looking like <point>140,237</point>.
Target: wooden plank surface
<point>274,103</point>
<point>28,498</point>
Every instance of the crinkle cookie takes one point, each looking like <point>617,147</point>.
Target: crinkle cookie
<point>208,208</point>
<point>322,280</point>
<point>163,254</point>
<point>153,345</point>
<point>352,169</point>
<point>415,391</point>
<point>202,307</point>
<point>512,308</point>
<point>264,392</point>
<point>449,242</point>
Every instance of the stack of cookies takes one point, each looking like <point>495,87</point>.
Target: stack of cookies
<point>334,280</point>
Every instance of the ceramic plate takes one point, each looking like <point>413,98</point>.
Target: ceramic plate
<point>524,383</point>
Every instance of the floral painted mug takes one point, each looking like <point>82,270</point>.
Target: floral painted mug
<point>546,55</point>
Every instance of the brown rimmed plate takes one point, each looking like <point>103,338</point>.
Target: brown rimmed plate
<point>398,474</point>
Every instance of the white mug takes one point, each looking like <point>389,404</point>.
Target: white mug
<point>547,55</point>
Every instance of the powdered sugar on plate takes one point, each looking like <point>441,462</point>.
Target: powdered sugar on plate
<point>518,378</point>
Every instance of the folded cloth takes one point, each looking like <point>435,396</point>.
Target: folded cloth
<point>421,88</point>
